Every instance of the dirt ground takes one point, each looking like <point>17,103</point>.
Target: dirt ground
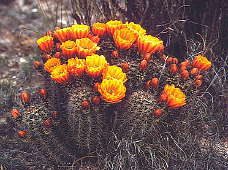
<point>20,22</point>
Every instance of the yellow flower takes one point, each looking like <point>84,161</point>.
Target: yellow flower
<point>136,28</point>
<point>149,44</point>
<point>124,38</point>
<point>76,66</point>
<point>46,43</point>
<point>68,48</point>
<point>112,91</point>
<point>95,64</point>
<point>51,63</point>
<point>60,74</point>
<point>99,29</point>
<point>174,97</point>
<point>112,26</point>
<point>63,34</point>
<point>79,31</point>
<point>86,47</point>
<point>114,72</point>
<point>201,62</point>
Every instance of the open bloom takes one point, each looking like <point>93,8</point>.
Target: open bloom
<point>124,38</point>
<point>46,43</point>
<point>51,64</point>
<point>60,74</point>
<point>114,72</point>
<point>173,97</point>
<point>136,28</point>
<point>63,34</point>
<point>79,31</point>
<point>201,62</point>
<point>68,48</point>
<point>112,91</point>
<point>95,64</point>
<point>76,66</point>
<point>86,47</point>
<point>112,26</point>
<point>99,29</point>
<point>149,44</point>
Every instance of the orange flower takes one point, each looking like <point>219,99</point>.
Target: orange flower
<point>201,62</point>
<point>95,64</point>
<point>112,26</point>
<point>136,28</point>
<point>79,31</point>
<point>51,64</point>
<point>124,38</point>
<point>174,96</point>
<point>68,48</point>
<point>63,34</point>
<point>76,66</point>
<point>112,91</point>
<point>114,72</point>
<point>99,29</point>
<point>149,44</point>
<point>45,43</point>
<point>86,47</point>
<point>60,74</point>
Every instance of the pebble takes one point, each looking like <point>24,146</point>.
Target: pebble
<point>4,124</point>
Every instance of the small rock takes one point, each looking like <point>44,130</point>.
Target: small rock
<point>4,124</point>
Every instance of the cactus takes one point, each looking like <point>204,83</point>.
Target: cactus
<point>128,123</point>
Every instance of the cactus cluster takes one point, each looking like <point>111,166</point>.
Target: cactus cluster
<point>110,88</point>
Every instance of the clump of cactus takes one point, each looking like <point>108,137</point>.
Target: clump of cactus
<point>111,92</point>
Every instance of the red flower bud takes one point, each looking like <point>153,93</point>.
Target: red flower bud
<point>125,67</point>
<point>185,63</point>
<point>148,84</point>
<point>143,64</point>
<point>194,71</point>
<point>96,100</point>
<point>57,55</point>
<point>173,69</point>
<point>22,133</point>
<point>198,83</point>
<point>184,74</point>
<point>47,123</point>
<point>169,60</point>
<point>154,82</point>
<point>174,60</point>
<point>37,64</point>
<point>15,113</point>
<point>158,112</point>
<point>183,68</point>
<point>25,97</point>
<point>85,104</point>
<point>54,114</point>
<point>163,97</point>
<point>199,77</point>
<point>43,92</point>
<point>115,54</point>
